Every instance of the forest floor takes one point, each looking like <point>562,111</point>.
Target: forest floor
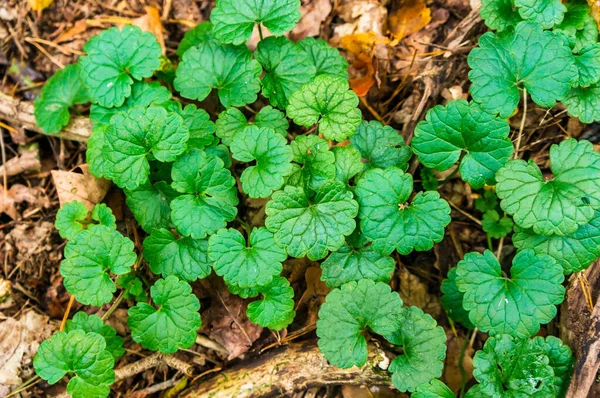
<point>405,57</point>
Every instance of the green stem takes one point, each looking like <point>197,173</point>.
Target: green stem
<point>260,33</point>
<point>489,240</point>
<point>114,306</point>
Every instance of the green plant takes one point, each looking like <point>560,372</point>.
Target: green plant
<point>350,203</point>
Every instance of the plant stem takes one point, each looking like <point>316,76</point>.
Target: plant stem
<point>114,306</point>
<point>260,33</point>
<point>67,311</point>
<point>489,240</point>
<point>522,126</point>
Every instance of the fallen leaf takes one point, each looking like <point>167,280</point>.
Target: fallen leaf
<point>595,10</point>
<point>361,16</point>
<point>409,18</point>
<point>18,193</point>
<point>78,28</point>
<point>19,341</point>
<point>39,5</point>
<point>225,320</point>
<point>366,43</point>
<point>28,159</point>
<point>362,47</point>
<point>414,292</point>
<point>313,14</point>
<point>83,186</point>
<point>151,23</point>
<point>314,295</point>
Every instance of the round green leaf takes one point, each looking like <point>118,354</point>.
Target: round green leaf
<point>326,59</point>
<point>588,65</point>
<point>381,146</point>
<point>276,308</point>
<point>229,69</point>
<point>329,101</point>
<point>316,160</point>
<point>70,219</point>
<point>459,126</point>
<point>63,90</point>
<point>584,103</point>
<point>115,56</point>
<point>452,300</point>
<point>287,68</point>
<point>499,14</point>
<point>95,151</point>
<point>560,359</point>
<point>545,13</point>
<point>574,252</point>
<point>348,163</point>
<point>149,203</point>
<point>502,64</point>
<point>232,121</point>
<point>186,258</point>
<point>135,134</point>
<point>495,226</point>
<point>273,158</point>
<point>209,197</point>
<point>198,122</point>
<point>515,304</point>
<point>79,353</point>
<point>433,389</point>
<point>174,324</point>
<point>93,323</point>
<point>557,206</point>
<point>246,266</point>
<point>389,222</point>
<point>200,34</point>
<point>312,226</point>
<point>234,20</point>
<point>87,258</point>
<point>423,346</point>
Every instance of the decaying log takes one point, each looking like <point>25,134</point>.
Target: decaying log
<point>20,115</point>
<point>580,327</point>
<point>285,370</point>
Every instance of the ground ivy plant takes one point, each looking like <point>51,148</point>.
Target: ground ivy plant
<point>336,190</point>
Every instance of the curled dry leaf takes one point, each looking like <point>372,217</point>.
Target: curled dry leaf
<point>363,48</point>
<point>18,194</point>
<point>410,17</point>
<point>28,159</point>
<point>313,14</point>
<point>83,186</point>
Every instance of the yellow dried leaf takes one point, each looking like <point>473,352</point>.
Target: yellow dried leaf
<point>409,18</point>
<point>151,23</point>
<point>39,5</point>
<point>357,43</point>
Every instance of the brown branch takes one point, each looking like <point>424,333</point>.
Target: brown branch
<point>20,114</point>
<point>285,370</point>
<point>153,361</point>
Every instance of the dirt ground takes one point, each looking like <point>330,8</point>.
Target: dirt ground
<point>405,56</point>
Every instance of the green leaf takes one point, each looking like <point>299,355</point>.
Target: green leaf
<point>347,312</point>
<point>487,201</point>
<point>452,300</point>
<point>586,36</point>
<point>243,292</point>
<point>509,367</point>
<point>516,304</point>
<point>312,226</point>
<point>461,127</point>
<point>276,308</point>
<point>574,19</point>
<point>87,258</point>
<point>318,162</point>
<point>200,34</point>
<point>348,163</point>
<point>132,286</point>
<point>229,69</point>
<point>389,222</point>
<point>142,94</point>
<point>329,101</point>
<point>557,206</point>
<point>326,59</point>
<point>428,179</point>
<point>273,158</point>
<point>545,13</point>
<point>381,146</point>
<point>186,258</point>
<point>349,264</point>
<point>502,64</point>
<point>475,392</point>
<point>584,103</point>
<point>70,219</point>
<point>574,252</point>
<point>245,266</point>
<point>234,20</point>
<point>200,126</point>
<point>95,151</point>
<point>561,361</point>
<point>104,216</point>
<point>63,90</point>
<point>209,197</point>
<point>93,323</point>
<point>149,204</point>
<point>495,226</point>
<point>136,134</point>
<point>433,389</point>
<point>588,65</point>
<point>174,324</point>
<point>499,14</point>
<point>232,121</point>
<point>287,68</point>
<point>79,353</point>
<point>115,56</point>
<point>423,345</point>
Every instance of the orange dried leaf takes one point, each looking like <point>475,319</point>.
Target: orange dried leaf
<point>357,43</point>
<point>362,85</point>
<point>151,23</point>
<point>411,17</point>
<point>77,29</point>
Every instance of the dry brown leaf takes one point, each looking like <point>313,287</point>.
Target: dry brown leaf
<point>83,186</point>
<point>19,341</point>
<point>361,16</point>
<point>39,5</point>
<point>409,18</point>
<point>78,28</point>
<point>595,10</point>
<point>313,14</point>
<point>151,23</point>
<point>414,292</point>
<point>28,159</point>
<point>18,194</point>
<point>452,373</point>
<point>362,46</point>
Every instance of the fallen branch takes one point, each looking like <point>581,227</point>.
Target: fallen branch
<point>285,370</point>
<point>153,361</point>
<point>20,115</point>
